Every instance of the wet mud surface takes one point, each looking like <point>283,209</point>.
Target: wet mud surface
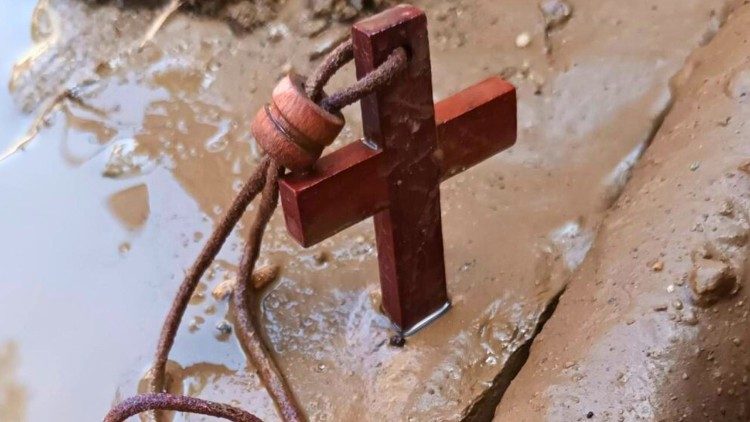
<point>110,201</point>
<point>654,326</point>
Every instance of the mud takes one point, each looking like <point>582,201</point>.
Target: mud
<point>91,277</point>
<point>654,326</point>
<point>247,15</point>
<point>13,395</point>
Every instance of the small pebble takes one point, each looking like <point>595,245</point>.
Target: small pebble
<point>397,341</point>
<point>224,289</point>
<point>265,275</point>
<point>727,209</point>
<point>276,32</point>
<point>320,257</point>
<point>695,165</point>
<point>224,328</point>
<point>689,318</point>
<point>657,266</point>
<point>736,341</point>
<point>555,12</point>
<point>711,279</point>
<point>523,40</point>
<point>195,324</point>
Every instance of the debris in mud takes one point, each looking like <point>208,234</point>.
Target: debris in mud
<point>710,280</point>
<point>397,341</point>
<point>555,12</point>
<point>123,248</point>
<point>321,258</point>
<point>657,266</point>
<point>159,21</point>
<point>195,324</point>
<point>523,40</point>
<point>265,275</point>
<point>223,330</point>
<point>738,86</point>
<point>661,307</point>
<point>224,289</point>
<point>124,160</point>
<point>246,15</point>
<point>261,278</point>
<point>43,117</point>
<point>346,10</point>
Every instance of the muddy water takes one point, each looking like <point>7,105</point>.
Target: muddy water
<point>17,41</point>
<point>109,204</point>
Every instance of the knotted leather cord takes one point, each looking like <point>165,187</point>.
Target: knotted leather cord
<point>264,179</point>
<point>164,401</point>
<point>341,55</point>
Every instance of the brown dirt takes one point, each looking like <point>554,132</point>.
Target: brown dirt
<point>655,324</point>
<point>173,115</point>
<point>247,15</point>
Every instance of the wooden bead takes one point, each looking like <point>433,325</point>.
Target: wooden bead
<point>292,128</point>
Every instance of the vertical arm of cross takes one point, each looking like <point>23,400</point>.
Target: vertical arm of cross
<point>400,118</point>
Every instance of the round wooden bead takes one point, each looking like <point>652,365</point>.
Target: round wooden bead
<point>292,128</point>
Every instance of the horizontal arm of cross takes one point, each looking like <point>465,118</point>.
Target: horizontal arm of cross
<point>349,185</point>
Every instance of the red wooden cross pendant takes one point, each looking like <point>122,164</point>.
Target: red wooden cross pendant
<point>394,174</point>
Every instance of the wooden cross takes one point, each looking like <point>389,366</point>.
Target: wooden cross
<point>410,146</point>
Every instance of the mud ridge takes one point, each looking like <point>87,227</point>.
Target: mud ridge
<point>677,78</point>
<point>483,408</point>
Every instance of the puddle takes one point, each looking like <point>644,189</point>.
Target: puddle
<point>16,37</point>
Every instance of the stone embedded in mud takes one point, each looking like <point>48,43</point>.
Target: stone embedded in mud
<point>710,280</point>
<point>262,277</point>
<point>657,266</point>
<point>223,330</point>
<point>523,40</point>
<point>555,12</point>
<point>265,275</point>
<point>728,231</point>
<point>738,86</point>
<point>732,234</point>
<point>224,289</point>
